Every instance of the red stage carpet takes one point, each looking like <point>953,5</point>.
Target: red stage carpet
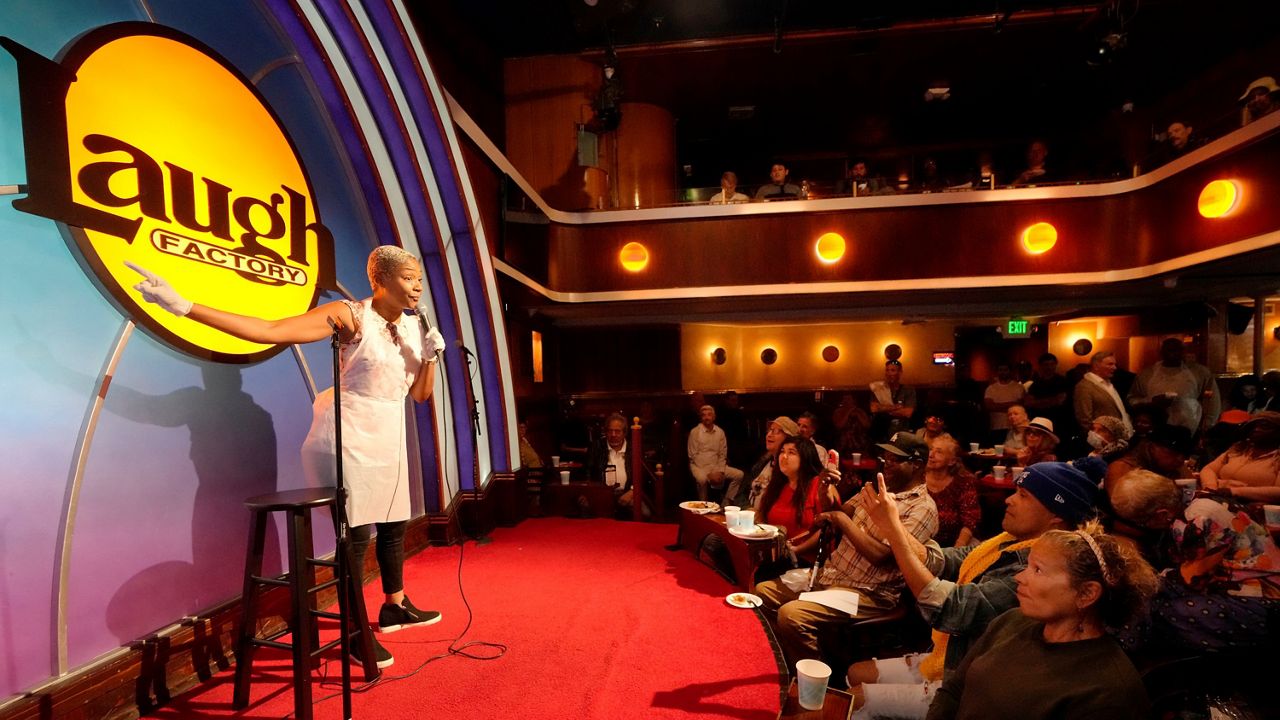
<point>599,619</point>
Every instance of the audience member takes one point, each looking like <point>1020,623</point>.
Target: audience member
<point>778,188</point>
<point>1095,395</point>
<point>1003,393</point>
<point>904,447</point>
<point>934,428</point>
<point>859,563</point>
<point>960,590</point>
<point>1271,386</point>
<point>1186,389</point>
<point>892,403</point>
<point>1228,431</point>
<point>1052,657</point>
<point>757,479</point>
<point>1145,418</point>
<point>1048,392</point>
<point>1041,442</point>
<point>859,182</point>
<point>609,459</point>
<point>930,179</point>
<point>854,426</point>
<point>983,176</point>
<point>1180,139</point>
<point>1108,438</point>
<point>1246,394</point>
<point>808,424</point>
<point>728,190</point>
<point>528,456</point>
<point>1016,438</point>
<point>1259,99</point>
<point>1250,469</point>
<point>1163,451</point>
<point>1036,172</point>
<point>954,490</point>
<point>1140,510</point>
<point>796,495</point>
<point>708,455</point>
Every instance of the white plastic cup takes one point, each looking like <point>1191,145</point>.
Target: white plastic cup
<point>998,472</point>
<point>731,516</point>
<point>857,458</point>
<point>1188,488</point>
<point>974,447</point>
<point>746,519</point>
<point>564,477</point>
<point>1016,470</point>
<point>555,460</point>
<point>999,451</point>
<point>1271,515</point>
<point>811,681</point>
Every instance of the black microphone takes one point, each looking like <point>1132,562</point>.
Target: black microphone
<point>463,348</point>
<point>421,312</point>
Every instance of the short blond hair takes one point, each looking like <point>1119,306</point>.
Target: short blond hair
<point>385,260</point>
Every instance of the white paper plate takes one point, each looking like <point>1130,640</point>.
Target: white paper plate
<point>700,507</point>
<point>759,532</point>
<point>743,600</point>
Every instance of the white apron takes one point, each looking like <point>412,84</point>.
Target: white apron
<point>376,376</point>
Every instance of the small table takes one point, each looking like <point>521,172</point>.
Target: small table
<point>746,555</point>
<point>837,706</point>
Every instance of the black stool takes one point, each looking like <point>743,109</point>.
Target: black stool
<point>301,581</point>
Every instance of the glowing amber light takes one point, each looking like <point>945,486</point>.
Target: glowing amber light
<point>634,257</point>
<point>1039,238</point>
<point>1219,198</point>
<point>830,247</point>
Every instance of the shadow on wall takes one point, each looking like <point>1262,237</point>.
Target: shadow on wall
<point>233,451</point>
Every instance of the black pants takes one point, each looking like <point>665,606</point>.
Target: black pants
<point>390,550</point>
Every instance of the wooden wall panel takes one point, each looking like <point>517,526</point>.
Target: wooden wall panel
<point>646,147</point>
<point>545,98</point>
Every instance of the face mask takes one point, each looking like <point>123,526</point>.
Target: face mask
<point>1095,440</point>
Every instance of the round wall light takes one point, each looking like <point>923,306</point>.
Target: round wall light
<point>1082,347</point>
<point>830,248</point>
<point>1039,238</point>
<point>1219,198</point>
<point>634,257</point>
<point>718,356</point>
<point>892,351</point>
<point>831,353</point>
<point>768,356</point>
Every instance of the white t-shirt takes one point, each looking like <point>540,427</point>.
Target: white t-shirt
<point>997,391</point>
<point>618,460</point>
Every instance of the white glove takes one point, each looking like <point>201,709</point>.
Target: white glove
<point>154,289</point>
<point>432,343</point>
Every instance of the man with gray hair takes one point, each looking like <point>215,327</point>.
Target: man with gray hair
<point>709,453</point>
<point>1096,396</point>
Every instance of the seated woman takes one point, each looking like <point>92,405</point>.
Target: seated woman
<point>1040,443</point>
<point>955,491</point>
<point>934,427</point>
<point>1108,437</point>
<point>797,495</point>
<point>755,480</point>
<point>1250,469</point>
<point>1016,438</point>
<point>1052,657</point>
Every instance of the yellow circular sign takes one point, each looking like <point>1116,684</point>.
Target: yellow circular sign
<point>165,135</point>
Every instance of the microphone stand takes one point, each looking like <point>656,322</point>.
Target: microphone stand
<point>475,430</point>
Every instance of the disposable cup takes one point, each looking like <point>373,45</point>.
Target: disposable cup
<point>564,477</point>
<point>1016,470</point>
<point>973,447</point>
<point>857,458</point>
<point>1188,488</point>
<point>998,472</point>
<point>747,519</point>
<point>999,451</point>
<point>555,460</point>
<point>731,516</point>
<point>811,680</point>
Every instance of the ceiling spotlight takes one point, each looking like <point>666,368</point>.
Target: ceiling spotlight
<point>1107,48</point>
<point>937,92</point>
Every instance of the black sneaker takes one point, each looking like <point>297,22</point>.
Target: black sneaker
<point>381,655</point>
<point>395,617</point>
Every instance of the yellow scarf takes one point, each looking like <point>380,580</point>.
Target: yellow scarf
<point>976,563</point>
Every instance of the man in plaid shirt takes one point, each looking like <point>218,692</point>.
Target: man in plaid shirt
<point>862,561</point>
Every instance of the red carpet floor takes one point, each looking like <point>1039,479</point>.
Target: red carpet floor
<point>600,621</point>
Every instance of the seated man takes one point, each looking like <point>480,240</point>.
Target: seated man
<point>861,563</point>
<point>960,590</point>
<point>709,453</point>
<point>609,459</point>
<point>778,188</point>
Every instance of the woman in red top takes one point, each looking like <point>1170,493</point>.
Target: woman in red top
<point>955,491</point>
<point>795,497</point>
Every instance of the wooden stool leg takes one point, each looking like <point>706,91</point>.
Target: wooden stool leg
<point>248,615</point>
<point>301,619</point>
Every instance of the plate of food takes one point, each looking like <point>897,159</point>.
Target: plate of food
<point>701,507</point>
<point>744,600</point>
<point>755,532</point>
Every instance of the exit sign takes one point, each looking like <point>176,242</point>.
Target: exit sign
<point>1017,328</point>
